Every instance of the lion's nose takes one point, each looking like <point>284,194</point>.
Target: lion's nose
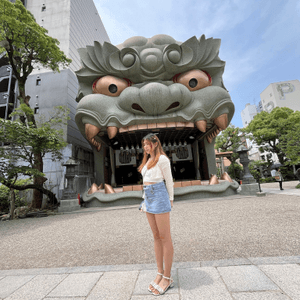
<point>157,98</point>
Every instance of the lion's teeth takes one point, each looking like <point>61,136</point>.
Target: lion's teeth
<point>201,125</point>
<point>221,121</point>
<point>209,139</point>
<point>108,189</point>
<point>91,131</point>
<point>112,131</point>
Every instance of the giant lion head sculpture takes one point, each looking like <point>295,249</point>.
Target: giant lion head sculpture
<point>158,84</point>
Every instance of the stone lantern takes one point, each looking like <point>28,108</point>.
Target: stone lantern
<point>249,186</point>
<point>70,191</point>
<point>243,153</point>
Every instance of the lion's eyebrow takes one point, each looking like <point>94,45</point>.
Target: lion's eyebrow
<point>107,59</point>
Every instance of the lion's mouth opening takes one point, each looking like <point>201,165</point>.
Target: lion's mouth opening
<point>169,133</point>
<point>178,140</point>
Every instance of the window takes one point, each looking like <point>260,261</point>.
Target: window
<point>43,7</point>
<point>38,82</point>
<point>4,85</point>
<point>36,110</point>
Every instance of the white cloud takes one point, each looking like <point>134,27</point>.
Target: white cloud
<point>253,33</point>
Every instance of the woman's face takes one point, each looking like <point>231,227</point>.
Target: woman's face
<point>148,147</point>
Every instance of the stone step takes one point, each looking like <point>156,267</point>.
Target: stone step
<point>68,205</point>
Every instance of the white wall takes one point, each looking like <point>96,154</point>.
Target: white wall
<point>281,94</point>
<point>248,114</point>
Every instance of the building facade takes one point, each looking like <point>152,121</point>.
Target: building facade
<point>281,94</point>
<point>248,114</point>
<point>75,24</point>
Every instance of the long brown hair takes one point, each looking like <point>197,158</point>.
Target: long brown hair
<point>158,151</point>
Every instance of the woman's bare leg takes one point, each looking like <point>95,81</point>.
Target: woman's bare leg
<point>158,248</point>
<point>163,225</point>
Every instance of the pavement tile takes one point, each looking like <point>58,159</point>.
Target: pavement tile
<point>287,277</point>
<point>114,285</point>
<point>76,285</point>
<point>10,284</point>
<point>39,287</point>
<point>37,271</point>
<point>163,297</point>
<point>260,296</point>
<point>202,284</point>
<point>186,264</point>
<point>274,260</point>
<point>146,276</point>
<point>132,267</point>
<point>76,298</point>
<point>226,262</point>
<point>88,269</point>
<point>111,268</point>
<point>245,278</point>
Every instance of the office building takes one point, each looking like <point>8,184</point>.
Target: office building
<point>75,24</point>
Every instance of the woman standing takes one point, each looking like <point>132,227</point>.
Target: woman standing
<point>158,200</point>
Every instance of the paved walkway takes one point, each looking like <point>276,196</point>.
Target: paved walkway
<point>247,278</point>
<point>267,278</point>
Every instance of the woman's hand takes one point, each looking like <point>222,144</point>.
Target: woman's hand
<point>171,203</point>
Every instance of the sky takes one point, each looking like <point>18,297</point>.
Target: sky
<point>260,40</point>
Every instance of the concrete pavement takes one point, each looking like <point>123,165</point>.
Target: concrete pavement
<point>241,278</point>
<point>265,278</point>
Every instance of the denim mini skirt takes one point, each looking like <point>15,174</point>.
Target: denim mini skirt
<point>156,198</point>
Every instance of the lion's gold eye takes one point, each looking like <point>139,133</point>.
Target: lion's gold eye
<point>194,80</point>
<point>110,85</point>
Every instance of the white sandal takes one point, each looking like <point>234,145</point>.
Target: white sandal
<point>153,283</point>
<point>160,290</point>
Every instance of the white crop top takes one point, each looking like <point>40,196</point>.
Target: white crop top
<point>161,171</point>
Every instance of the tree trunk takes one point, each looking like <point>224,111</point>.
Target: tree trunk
<point>12,203</point>
<point>51,196</point>
<point>25,100</point>
<point>37,198</point>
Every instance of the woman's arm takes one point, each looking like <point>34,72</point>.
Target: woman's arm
<point>165,167</point>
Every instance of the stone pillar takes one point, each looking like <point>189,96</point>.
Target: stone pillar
<point>113,169</point>
<point>196,159</point>
<point>249,186</point>
<point>210,156</point>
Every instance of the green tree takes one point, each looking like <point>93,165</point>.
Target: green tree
<point>17,156</point>
<point>229,140</point>
<point>271,130</point>
<point>290,144</point>
<point>28,46</point>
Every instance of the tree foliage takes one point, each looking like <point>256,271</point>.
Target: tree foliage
<point>290,145</point>
<point>27,43</point>
<point>255,166</point>
<point>271,131</point>
<point>28,46</point>
<point>229,140</point>
<point>21,143</point>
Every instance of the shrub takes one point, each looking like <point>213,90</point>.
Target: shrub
<point>235,171</point>
<point>5,196</point>
<point>267,180</point>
